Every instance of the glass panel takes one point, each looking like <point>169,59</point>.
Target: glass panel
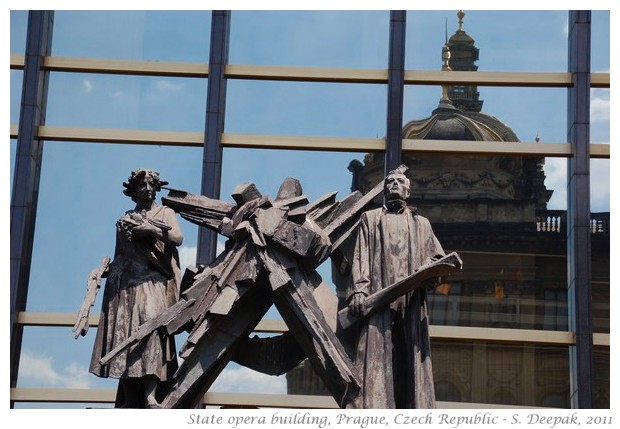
<point>599,115</point>
<point>310,109</point>
<point>347,39</point>
<point>239,379</point>
<point>19,30</point>
<point>80,200</point>
<point>601,36</point>
<point>127,102</point>
<point>483,373</point>
<point>600,244</point>
<point>497,212</point>
<point>524,374</point>
<point>52,358</point>
<point>17,78</point>
<point>12,153</point>
<point>318,172</point>
<point>503,40</point>
<point>490,113</point>
<point>133,35</point>
<point>601,378</point>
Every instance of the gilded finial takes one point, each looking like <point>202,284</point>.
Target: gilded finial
<point>461,15</point>
<point>445,57</point>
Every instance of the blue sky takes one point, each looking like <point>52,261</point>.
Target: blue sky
<point>81,192</point>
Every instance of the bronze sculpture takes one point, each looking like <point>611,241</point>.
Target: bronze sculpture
<point>273,249</point>
<point>393,349</point>
<point>142,282</point>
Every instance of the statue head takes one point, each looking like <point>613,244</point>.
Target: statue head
<point>396,186</point>
<point>137,177</point>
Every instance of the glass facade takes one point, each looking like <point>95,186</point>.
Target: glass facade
<point>341,39</point>
<point>505,211</point>
<point>489,30</point>
<point>126,102</point>
<point>176,36</point>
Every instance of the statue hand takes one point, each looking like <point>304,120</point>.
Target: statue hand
<point>143,229</point>
<point>356,304</point>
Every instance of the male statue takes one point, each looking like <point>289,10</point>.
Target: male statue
<point>393,349</point>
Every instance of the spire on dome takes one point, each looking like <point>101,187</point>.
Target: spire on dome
<point>461,15</point>
<point>464,55</point>
<point>445,57</point>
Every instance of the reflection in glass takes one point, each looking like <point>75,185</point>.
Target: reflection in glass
<point>500,109</point>
<point>12,153</point>
<point>127,102</point>
<point>69,366</point>
<point>599,115</point>
<point>524,374</point>
<point>19,29</point>
<point>342,39</point>
<point>601,377</point>
<point>482,373</point>
<point>508,40</point>
<point>600,243</point>
<point>600,41</point>
<point>306,109</point>
<point>181,36</point>
<point>17,77</point>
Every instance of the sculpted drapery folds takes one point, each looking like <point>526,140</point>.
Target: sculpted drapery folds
<point>393,349</point>
<point>142,282</point>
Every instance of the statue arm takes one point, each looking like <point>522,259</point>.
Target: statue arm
<point>360,268</point>
<point>167,231</point>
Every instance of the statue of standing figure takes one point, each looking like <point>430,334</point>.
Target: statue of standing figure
<point>142,282</point>
<point>393,348</point>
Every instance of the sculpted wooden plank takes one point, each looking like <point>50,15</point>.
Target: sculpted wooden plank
<point>316,337</point>
<point>215,348</point>
<point>163,320</point>
<point>198,209</point>
<point>379,300</point>
<point>93,284</point>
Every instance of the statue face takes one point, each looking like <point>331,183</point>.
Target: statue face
<point>396,187</point>
<point>145,191</point>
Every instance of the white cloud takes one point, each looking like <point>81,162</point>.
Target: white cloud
<point>40,371</point>
<point>599,106</point>
<point>166,85</point>
<point>76,376</point>
<point>244,380</point>
<point>88,86</point>
<point>555,172</point>
<point>599,185</point>
<point>565,27</point>
<point>187,256</point>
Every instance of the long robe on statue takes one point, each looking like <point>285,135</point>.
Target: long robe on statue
<point>142,283</point>
<point>393,350</point>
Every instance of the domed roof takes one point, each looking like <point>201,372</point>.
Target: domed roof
<point>450,123</point>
